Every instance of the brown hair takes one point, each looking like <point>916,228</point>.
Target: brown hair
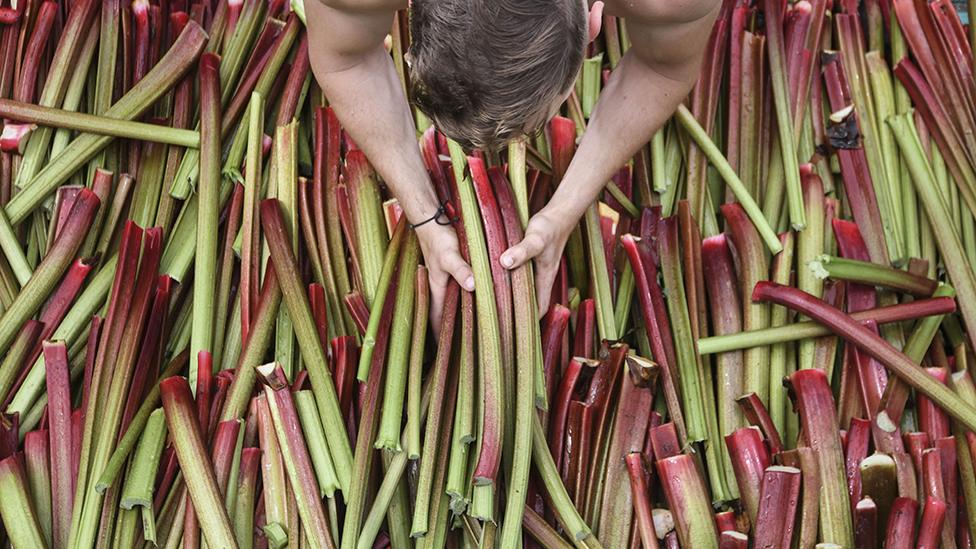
<point>487,70</point>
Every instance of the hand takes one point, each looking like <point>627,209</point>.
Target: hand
<point>442,256</point>
<point>544,240</point>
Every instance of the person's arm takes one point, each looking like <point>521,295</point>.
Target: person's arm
<point>357,75</point>
<point>651,81</point>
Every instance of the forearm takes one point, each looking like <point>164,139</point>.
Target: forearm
<point>368,99</point>
<point>637,101</point>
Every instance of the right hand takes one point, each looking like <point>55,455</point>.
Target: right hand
<point>442,255</point>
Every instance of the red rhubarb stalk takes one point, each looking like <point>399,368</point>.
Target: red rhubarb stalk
<point>779,498</point>
<point>750,459</point>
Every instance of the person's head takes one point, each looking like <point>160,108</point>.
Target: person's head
<point>486,71</point>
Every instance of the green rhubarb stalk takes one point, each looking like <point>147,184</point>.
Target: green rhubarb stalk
<point>295,454</point>
<point>865,272</point>
<point>782,267</point>
<point>398,356</point>
<point>438,420</point>
<point>715,156</point>
<point>282,185</point>
<point>688,365</point>
<point>133,433</point>
<point>809,246</point>
<point>947,239</point>
<point>274,479</point>
<point>561,503</point>
<point>37,461</point>
<point>296,300</point>
<point>367,214</point>
<point>325,471</point>
<point>163,76</point>
<point>15,505</point>
<point>784,120</point>
<point>194,462</point>
<point>605,318</point>
<point>208,214</point>
<point>98,125</point>
<point>382,289</point>
<point>803,330</point>
<point>140,480</point>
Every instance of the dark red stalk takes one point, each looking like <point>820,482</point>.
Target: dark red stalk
<point>271,38</point>
<point>900,533</point>
<point>91,353</point>
<point>140,12</point>
<point>345,357</point>
<point>866,524</point>
<point>653,312</point>
<point>294,84</point>
<point>664,441</point>
<point>916,443</point>
<point>642,500</point>
<point>59,424</point>
<point>358,309</point>
<point>854,170</point>
<point>205,386</point>
<point>222,453</point>
<point>553,328</point>
<point>950,479</point>
<point>26,85</point>
<point>561,405</point>
<point>726,308</point>
<point>316,300</point>
<point>572,447</point>
<point>931,418</point>
<point>930,530</point>
<point>151,354</point>
<point>934,487</point>
<point>750,458</point>
<point>691,250</point>
<point>818,422</point>
<point>779,499</point>
<point>737,27</point>
<point>858,438</point>
<point>855,333</point>
<point>756,414</point>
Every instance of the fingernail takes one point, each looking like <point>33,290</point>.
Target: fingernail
<point>469,284</point>
<point>507,261</point>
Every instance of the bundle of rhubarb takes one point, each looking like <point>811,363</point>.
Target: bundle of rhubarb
<point>214,318</point>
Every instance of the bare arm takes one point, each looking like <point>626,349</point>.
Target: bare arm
<point>644,91</point>
<point>358,77</point>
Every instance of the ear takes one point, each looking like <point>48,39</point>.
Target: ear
<point>595,20</point>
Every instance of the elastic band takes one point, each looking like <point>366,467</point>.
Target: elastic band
<point>436,218</point>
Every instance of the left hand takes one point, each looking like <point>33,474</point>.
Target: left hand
<point>545,238</point>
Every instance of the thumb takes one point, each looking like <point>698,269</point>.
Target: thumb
<point>518,255</point>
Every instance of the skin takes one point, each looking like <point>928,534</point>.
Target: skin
<point>348,57</point>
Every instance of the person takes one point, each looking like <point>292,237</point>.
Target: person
<point>487,71</point>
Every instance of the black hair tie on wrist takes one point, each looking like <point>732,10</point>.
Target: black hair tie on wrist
<point>436,218</point>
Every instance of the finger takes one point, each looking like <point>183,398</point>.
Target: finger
<point>437,287</point>
<point>518,255</point>
<point>544,279</point>
<point>459,269</point>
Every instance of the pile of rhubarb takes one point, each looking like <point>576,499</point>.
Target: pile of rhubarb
<point>215,321</point>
